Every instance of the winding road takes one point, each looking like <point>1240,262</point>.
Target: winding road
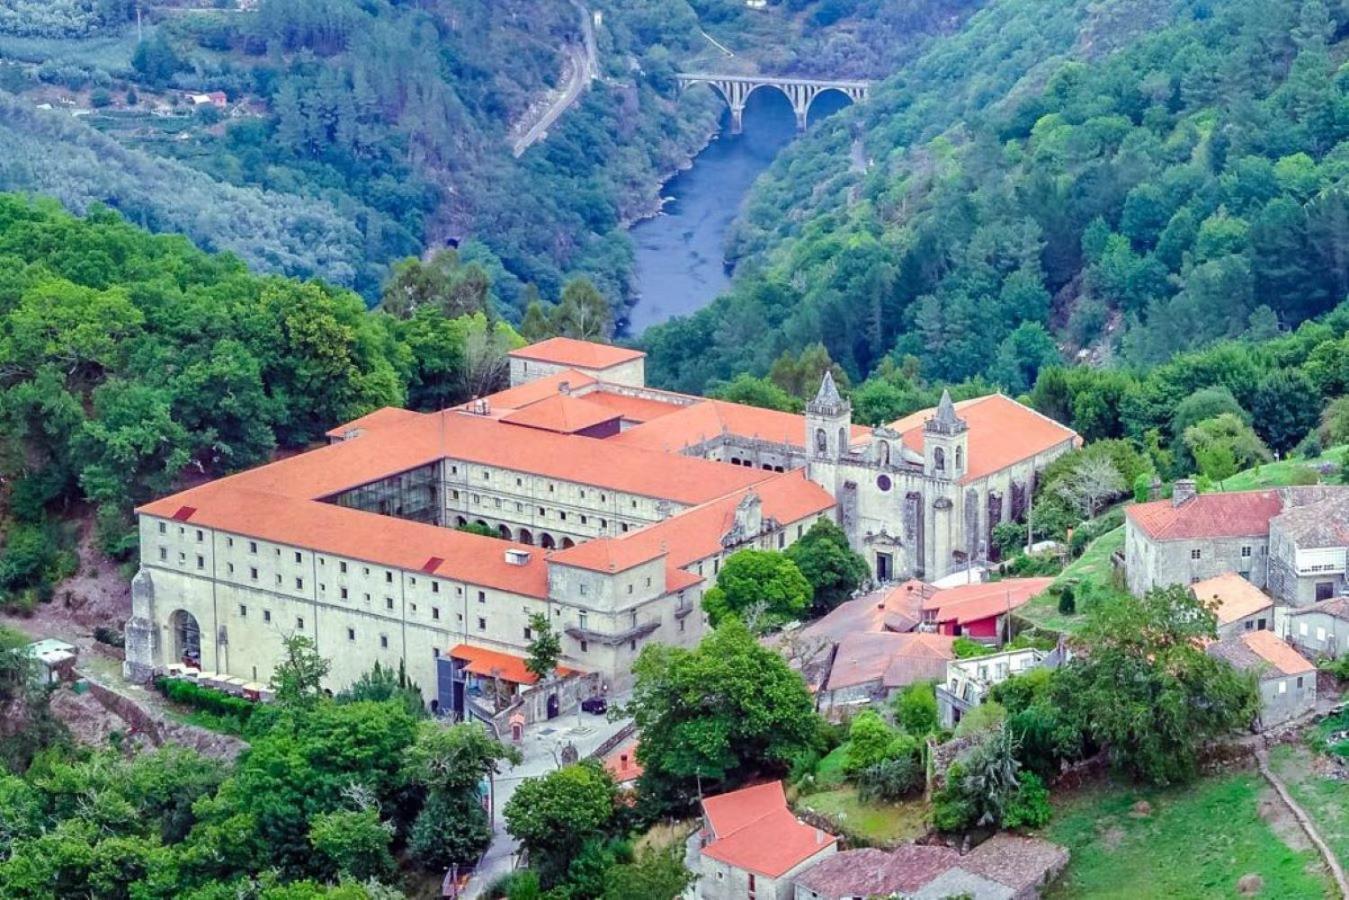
<point>583,67</point>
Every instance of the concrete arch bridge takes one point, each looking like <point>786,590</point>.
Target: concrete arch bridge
<point>800,91</point>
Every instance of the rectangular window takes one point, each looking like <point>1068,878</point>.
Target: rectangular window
<point>253,572</point>
<point>351,634</point>
<point>482,624</point>
<point>243,611</point>
<point>435,587</point>
<point>344,593</point>
<point>201,561</point>
<point>384,641</point>
<point>342,567</point>
<point>435,612</point>
<point>297,556</point>
<point>200,536</point>
<point>1299,681</point>
<point>388,603</point>
<point>1245,552</point>
<point>388,578</point>
<point>1196,553</point>
<point>1283,686</point>
<point>582,618</point>
<point>529,635</point>
<point>163,528</point>
<point>299,584</point>
<point>266,615</point>
<point>164,554</point>
<point>299,622</point>
<point>584,646</point>
<point>482,596</point>
<point>252,546</point>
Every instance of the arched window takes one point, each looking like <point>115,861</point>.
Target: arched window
<point>939,460</point>
<point>525,536</point>
<point>842,440</point>
<point>960,460</point>
<point>884,452</point>
<point>821,441</point>
<point>546,541</point>
<point>504,532</point>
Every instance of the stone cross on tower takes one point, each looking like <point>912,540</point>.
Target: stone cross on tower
<point>945,441</point>
<point>828,421</point>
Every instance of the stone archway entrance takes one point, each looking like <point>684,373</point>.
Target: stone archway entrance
<point>186,634</point>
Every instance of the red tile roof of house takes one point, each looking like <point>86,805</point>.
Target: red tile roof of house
<point>754,830</point>
<point>974,602</point>
<point>1261,650</point>
<point>1243,514</point>
<point>622,763</point>
<point>380,418</point>
<point>897,608</point>
<point>870,872</point>
<point>890,659</point>
<point>561,413</point>
<point>498,664</point>
<point>1001,433</point>
<point>1233,597</point>
<point>564,351</point>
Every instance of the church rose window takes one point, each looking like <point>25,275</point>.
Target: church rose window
<point>883,482</point>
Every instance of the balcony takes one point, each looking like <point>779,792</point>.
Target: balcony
<point>613,639</point>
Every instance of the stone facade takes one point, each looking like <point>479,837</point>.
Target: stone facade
<point>721,881</point>
<point>1321,629</point>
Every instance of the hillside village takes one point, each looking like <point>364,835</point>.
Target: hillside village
<point>518,556</point>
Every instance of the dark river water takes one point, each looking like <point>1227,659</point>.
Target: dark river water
<point>680,254</point>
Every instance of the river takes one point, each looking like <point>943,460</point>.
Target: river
<point>680,254</point>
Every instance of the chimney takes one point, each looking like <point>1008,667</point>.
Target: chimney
<point>1182,491</point>
<point>564,387</point>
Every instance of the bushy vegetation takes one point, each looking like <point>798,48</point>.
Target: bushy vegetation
<point>232,709</point>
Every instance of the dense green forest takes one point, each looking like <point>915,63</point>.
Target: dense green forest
<point>1059,181</point>
<point>356,133</point>
<point>130,361</point>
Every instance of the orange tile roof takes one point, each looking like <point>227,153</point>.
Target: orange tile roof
<point>1262,650</point>
<point>708,419</point>
<point>754,830</point>
<point>523,395</point>
<point>373,421</point>
<point>1235,597</point>
<point>565,351</point>
<point>561,413</point>
<point>973,602</point>
<point>898,609</point>
<point>634,409</point>
<point>493,663</point>
<point>893,660</point>
<point>622,763</point>
<point>696,533</point>
<point>1001,433</point>
<point>1243,514</point>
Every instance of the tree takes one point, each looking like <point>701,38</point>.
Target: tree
<point>298,678</point>
<point>829,564</point>
<point>759,392</point>
<point>554,815</point>
<point>871,741</point>
<point>450,829</point>
<point>981,785</point>
<point>354,843</point>
<point>653,875</point>
<point>1282,409</point>
<point>758,578</point>
<point>916,708</point>
<point>544,649</point>
<point>1144,689</point>
<point>583,313</point>
<point>1223,445</point>
<point>716,715</point>
<point>380,684</point>
<point>1334,427</point>
<point>1092,481</point>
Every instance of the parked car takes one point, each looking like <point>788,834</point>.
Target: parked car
<point>596,705</point>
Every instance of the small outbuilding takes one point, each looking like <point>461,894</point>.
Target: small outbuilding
<point>55,659</point>
<point>1287,678</point>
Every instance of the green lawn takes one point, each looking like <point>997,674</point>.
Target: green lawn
<point>876,824</point>
<point>1195,842</point>
<point>1326,800</point>
<point>1280,474</point>
<point>830,771</point>
<point>1092,568</point>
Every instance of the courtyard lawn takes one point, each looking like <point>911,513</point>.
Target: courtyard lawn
<point>1282,473</point>
<point>874,824</point>
<point>830,771</point>
<point>1194,842</point>
<point>1326,800</point>
<point>1093,570</point>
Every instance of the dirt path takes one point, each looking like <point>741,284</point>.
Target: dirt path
<point>1336,870</point>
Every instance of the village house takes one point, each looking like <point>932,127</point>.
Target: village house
<point>1238,605</point>
<point>614,504</point>
<point>869,667</point>
<point>968,681</point>
<point>1293,542</point>
<point>980,611</point>
<point>1004,867</point>
<point>1321,629</point>
<point>1287,679</point>
<point>752,846</point>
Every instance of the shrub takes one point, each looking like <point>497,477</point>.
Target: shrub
<point>1009,538</point>
<point>890,780</point>
<point>1067,600</point>
<point>1338,667</point>
<point>209,700</point>
<point>964,648</point>
<point>872,741</point>
<point>109,636</point>
<point>916,708</point>
<point>1029,806</point>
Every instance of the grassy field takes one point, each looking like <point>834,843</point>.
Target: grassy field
<point>1282,473</point>
<point>1092,568</point>
<point>877,824</point>
<point>1325,799</point>
<point>830,771</point>
<point>1194,842</point>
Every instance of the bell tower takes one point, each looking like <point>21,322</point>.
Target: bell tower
<point>828,422</point>
<point>946,442</point>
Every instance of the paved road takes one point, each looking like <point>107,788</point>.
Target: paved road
<point>542,749</point>
<point>584,67</point>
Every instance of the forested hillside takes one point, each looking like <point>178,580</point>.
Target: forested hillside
<point>1063,179</point>
<point>130,362</point>
<point>351,133</point>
